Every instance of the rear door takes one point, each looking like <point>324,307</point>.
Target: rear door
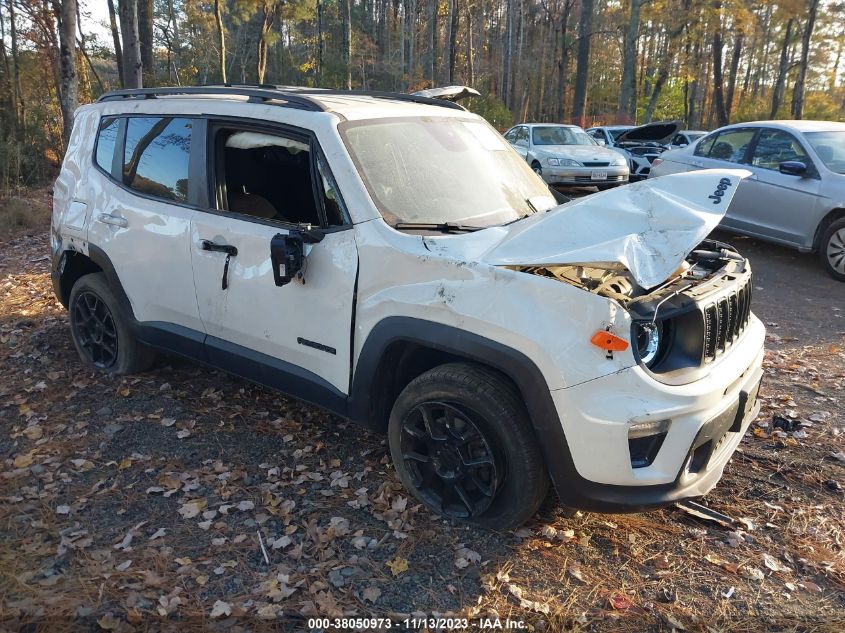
<point>267,181</point>
<point>729,149</point>
<point>141,215</point>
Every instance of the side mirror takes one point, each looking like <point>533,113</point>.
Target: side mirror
<point>287,253</point>
<point>793,168</point>
<point>682,144</point>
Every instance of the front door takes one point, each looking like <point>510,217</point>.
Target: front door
<point>267,182</point>
<point>774,205</point>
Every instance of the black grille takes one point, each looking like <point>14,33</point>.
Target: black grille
<point>596,163</point>
<point>725,320</point>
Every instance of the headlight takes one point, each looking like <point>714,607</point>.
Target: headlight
<point>564,162</point>
<point>619,161</point>
<point>648,338</point>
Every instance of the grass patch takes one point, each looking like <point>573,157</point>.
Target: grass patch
<point>18,213</point>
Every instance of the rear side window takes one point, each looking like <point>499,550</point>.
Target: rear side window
<point>156,155</point>
<point>106,141</point>
<point>730,146</point>
<point>706,144</point>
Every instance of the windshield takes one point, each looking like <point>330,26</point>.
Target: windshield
<point>558,135</point>
<point>694,136</point>
<point>830,147</point>
<point>439,169</point>
<point>617,132</point>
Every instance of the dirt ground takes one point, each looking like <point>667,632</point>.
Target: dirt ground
<point>144,502</point>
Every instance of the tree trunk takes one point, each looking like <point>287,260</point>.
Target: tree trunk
<point>346,18</point>
<point>507,54</point>
<point>718,90</point>
<point>65,11</point>
<point>453,41</point>
<point>624,110</point>
<point>6,86</point>
<point>432,43</point>
<point>563,67</point>
<point>221,38</point>
<point>132,67</point>
<point>320,42</point>
<point>16,70</point>
<point>585,30</point>
<point>115,34</point>
<point>268,8</point>
<point>145,37</point>
<point>783,66</point>
<point>798,90</point>
<point>737,53</point>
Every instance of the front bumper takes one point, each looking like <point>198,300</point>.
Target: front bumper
<point>584,175</point>
<point>708,419</point>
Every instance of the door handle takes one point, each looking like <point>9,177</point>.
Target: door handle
<point>208,245</point>
<point>114,220</point>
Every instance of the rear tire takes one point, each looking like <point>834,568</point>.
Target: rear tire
<point>832,249</point>
<point>462,443</point>
<point>100,329</point>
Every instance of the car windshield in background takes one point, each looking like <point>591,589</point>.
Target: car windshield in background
<point>556,135</point>
<point>830,147</point>
<point>617,132</point>
<point>694,136</point>
<point>439,170</point>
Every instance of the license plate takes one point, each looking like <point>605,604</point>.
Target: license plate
<point>598,174</point>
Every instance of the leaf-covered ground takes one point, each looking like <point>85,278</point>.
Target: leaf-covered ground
<point>156,501</point>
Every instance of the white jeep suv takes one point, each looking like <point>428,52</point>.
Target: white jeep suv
<point>391,259</point>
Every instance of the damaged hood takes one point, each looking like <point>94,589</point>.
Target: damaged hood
<point>648,227</point>
<point>659,132</point>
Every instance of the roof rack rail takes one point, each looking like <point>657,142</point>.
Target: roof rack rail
<point>255,94</point>
<point>382,94</point>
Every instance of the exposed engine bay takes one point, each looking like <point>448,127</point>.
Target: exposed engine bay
<point>709,262</point>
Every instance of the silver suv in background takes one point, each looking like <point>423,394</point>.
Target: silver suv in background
<point>566,155</point>
<point>796,195</point>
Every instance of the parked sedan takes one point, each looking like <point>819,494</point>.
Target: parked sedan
<point>640,145</point>
<point>566,155</point>
<point>796,195</point>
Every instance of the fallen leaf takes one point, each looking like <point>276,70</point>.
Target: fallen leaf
<point>220,609</point>
<point>774,564</point>
<point>620,602</point>
<point>63,510</point>
<point>192,508</point>
<point>124,565</point>
<point>371,594</point>
<point>108,622</point>
<point>24,460</point>
<point>34,432</point>
<point>397,565</point>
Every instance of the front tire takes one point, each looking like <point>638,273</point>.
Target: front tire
<point>537,168</point>
<point>100,330</point>
<point>462,443</point>
<point>832,249</point>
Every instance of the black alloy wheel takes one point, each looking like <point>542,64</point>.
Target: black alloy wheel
<point>95,329</point>
<point>453,465</point>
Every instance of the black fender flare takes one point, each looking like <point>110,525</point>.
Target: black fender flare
<point>475,348</point>
<point>99,257</point>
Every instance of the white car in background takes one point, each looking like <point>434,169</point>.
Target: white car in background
<point>796,195</point>
<point>686,137</point>
<point>566,155</point>
<point>639,144</point>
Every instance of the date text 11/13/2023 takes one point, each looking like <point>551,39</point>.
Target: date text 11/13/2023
<point>417,624</point>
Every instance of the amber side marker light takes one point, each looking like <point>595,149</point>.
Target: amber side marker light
<point>609,342</point>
